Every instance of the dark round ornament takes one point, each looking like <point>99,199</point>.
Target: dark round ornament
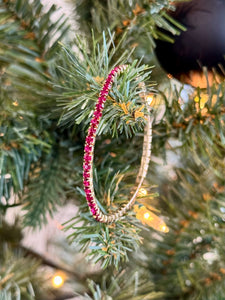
<point>202,44</point>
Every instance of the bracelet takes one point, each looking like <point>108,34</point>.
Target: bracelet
<point>89,154</point>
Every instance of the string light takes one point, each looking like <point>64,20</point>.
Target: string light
<point>15,103</point>
<point>142,192</point>
<point>146,215</point>
<point>154,100</point>
<point>149,218</point>
<point>149,99</point>
<point>170,76</point>
<point>58,280</point>
<point>202,100</point>
<point>164,228</point>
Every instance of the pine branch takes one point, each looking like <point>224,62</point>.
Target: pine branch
<point>110,245</point>
<point>46,188</point>
<point>21,145</point>
<point>189,261</point>
<point>200,118</point>
<point>51,263</point>
<point>25,91</point>
<point>26,64</point>
<point>82,80</point>
<point>18,277</point>
<point>121,287</point>
<point>34,22</point>
<point>140,20</point>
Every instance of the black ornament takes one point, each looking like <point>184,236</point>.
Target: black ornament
<point>202,44</point>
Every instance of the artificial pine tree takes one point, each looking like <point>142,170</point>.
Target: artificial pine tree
<point>50,83</point>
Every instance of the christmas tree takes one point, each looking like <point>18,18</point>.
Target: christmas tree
<point>59,146</point>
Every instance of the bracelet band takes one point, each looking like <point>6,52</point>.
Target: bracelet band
<point>89,154</point>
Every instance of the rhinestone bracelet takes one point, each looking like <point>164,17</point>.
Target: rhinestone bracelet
<point>89,154</point>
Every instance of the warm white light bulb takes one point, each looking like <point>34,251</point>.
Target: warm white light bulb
<point>164,228</point>
<point>142,192</point>
<point>149,99</point>
<point>146,215</point>
<point>57,281</point>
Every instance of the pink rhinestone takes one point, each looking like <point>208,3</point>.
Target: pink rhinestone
<point>92,202</point>
<point>97,218</point>
<point>99,107</point>
<point>87,158</point>
<point>87,148</point>
<point>86,176</point>
<point>104,93</point>
<point>101,99</point>
<point>93,210</point>
<point>86,167</point>
<point>91,131</point>
<point>94,127</point>
<point>97,114</point>
<point>90,205</point>
<point>89,139</point>
<point>94,121</point>
<point>100,104</point>
<point>87,190</point>
<point>89,198</point>
<point>86,183</point>
<point>105,88</point>
<point>113,72</point>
